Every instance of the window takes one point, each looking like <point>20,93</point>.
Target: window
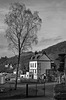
<point>31,70</point>
<point>31,65</point>
<point>35,65</point>
<point>35,71</point>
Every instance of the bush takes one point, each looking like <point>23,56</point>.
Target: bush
<point>60,91</point>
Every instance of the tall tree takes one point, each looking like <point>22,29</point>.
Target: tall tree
<point>22,28</point>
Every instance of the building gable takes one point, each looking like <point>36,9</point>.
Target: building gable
<point>44,58</point>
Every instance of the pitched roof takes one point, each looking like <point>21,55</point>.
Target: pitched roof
<point>39,56</point>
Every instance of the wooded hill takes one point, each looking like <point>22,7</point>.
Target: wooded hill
<point>56,49</point>
<point>51,51</point>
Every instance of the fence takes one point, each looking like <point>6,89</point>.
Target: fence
<point>35,89</point>
<point>28,90</point>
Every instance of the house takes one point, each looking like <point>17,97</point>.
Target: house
<point>38,64</point>
<point>6,66</point>
<point>19,71</point>
<point>22,75</point>
<point>11,67</point>
<point>27,75</point>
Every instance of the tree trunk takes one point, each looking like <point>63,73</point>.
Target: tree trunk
<point>18,65</point>
<point>17,72</point>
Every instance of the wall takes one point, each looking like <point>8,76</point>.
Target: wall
<point>33,69</point>
<point>45,63</point>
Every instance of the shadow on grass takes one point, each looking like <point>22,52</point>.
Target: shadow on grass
<point>21,97</point>
<point>34,91</point>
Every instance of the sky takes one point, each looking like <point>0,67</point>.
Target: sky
<point>53,28</point>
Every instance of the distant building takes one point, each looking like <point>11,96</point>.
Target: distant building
<point>22,75</point>
<point>19,71</point>
<point>38,65</point>
<point>27,75</point>
<point>6,66</point>
<point>11,67</point>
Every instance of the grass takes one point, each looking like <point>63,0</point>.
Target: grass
<point>21,91</point>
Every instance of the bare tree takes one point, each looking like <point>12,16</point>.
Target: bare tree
<point>22,28</point>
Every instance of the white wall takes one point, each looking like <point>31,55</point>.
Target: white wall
<point>32,65</point>
<point>27,75</point>
<point>33,68</point>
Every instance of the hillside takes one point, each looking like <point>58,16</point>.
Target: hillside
<point>25,57</point>
<point>51,51</point>
<point>56,49</point>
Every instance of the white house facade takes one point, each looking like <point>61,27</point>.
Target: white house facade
<point>38,65</point>
<point>33,69</point>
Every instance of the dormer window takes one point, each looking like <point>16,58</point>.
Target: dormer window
<point>38,56</point>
